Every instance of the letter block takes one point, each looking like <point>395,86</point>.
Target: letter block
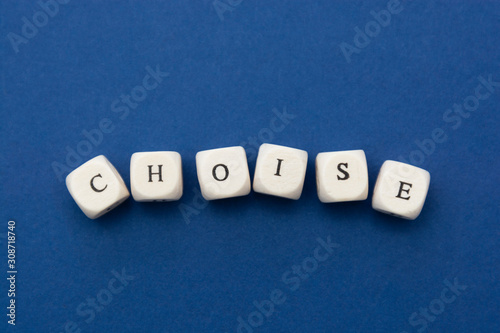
<point>156,176</point>
<point>280,171</point>
<point>400,190</point>
<point>342,176</point>
<point>223,173</point>
<point>96,187</point>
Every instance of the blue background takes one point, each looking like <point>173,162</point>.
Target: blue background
<point>199,274</point>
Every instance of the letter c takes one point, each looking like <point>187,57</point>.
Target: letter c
<point>317,255</point>
<point>112,288</point>
<point>92,184</point>
<point>445,299</point>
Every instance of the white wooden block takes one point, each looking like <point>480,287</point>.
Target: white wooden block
<point>96,187</point>
<point>280,171</point>
<point>223,173</point>
<point>342,176</point>
<point>156,176</point>
<point>401,190</point>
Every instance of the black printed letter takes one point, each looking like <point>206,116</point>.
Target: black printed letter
<point>92,183</point>
<point>214,172</point>
<point>403,190</point>
<point>279,168</point>
<point>346,174</point>
<point>151,173</point>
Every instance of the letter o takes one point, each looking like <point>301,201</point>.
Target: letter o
<point>370,32</point>
<point>37,22</point>
<point>108,294</point>
<point>259,319</point>
<point>81,145</point>
<point>234,3</point>
<point>468,106</point>
<point>214,172</point>
<point>310,264</point>
<point>440,306</point>
<point>417,154</point>
<point>268,133</point>
<point>139,93</point>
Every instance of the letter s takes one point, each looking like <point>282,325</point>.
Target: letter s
<point>415,323</point>
<point>346,174</point>
<point>123,109</point>
<point>292,282</point>
<point>82,313</point>
<point>449,119</point>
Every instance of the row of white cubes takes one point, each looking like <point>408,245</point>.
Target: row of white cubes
<point>400,189</point>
